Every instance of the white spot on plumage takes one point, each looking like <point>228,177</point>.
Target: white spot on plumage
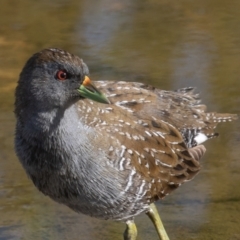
<point>123,150</point>
<point>108,109</point>
<point>136,89</point>
<point>142,138</point>
<point>135,137</point>
<point>160,134</point>
<point>111,149</point>
<point>200,138</point>
<point>130,151</point>
<point>130,180</point>
<point>121,164</point>
<point>146,150</point>
<point>137,153</point>
<point>154,133</point>
<point>104,123</point>
<point>140,191</point>
<point>148,133</point>
<point>121,102</point>
<point>164,164</point>
<point>89,109</point>
<point>128,135</point>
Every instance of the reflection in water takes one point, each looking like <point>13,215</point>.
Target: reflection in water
<point>170,45</point>
<point>99,24</point>
<point>191,66</point>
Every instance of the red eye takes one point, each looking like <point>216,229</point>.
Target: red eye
<point>61,75</point>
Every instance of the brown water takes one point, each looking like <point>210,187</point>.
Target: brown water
<point>169,44</point>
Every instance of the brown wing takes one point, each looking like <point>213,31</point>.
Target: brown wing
<point>143,142</point>
<point>180,108</point>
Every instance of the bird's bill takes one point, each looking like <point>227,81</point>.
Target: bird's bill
<point>88,90</point>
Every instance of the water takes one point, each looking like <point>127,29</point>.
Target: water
<point>165,43</point>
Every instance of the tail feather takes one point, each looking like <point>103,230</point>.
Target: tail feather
<point>197,152</point>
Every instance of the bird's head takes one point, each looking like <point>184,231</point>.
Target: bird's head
<point>54,78</point>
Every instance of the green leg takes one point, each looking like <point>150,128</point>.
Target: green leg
<point>154,216</point>
<point>131,231</point>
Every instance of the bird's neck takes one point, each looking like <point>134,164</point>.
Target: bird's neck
<point>44,124</point>
<point>54,138</point>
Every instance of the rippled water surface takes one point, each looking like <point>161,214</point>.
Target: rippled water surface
<point>169,44</point>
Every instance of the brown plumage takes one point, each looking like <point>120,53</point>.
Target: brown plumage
<point>110,161</point>
<point>158,129</point>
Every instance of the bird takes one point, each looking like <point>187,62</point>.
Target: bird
<point>107,149</point>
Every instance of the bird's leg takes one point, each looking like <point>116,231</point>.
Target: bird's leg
<point>131,231</point>
<point>154,216</point>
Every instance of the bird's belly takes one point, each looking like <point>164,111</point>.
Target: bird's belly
<point>101,192</point>
<point>92,199</point>
<point>105,209</point>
